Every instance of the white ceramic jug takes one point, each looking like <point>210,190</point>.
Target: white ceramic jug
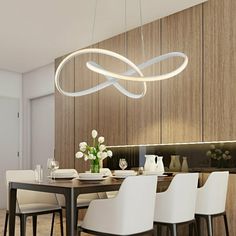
<point>150,163</point>
<point>160,166</point>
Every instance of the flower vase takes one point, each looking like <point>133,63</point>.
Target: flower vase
<point>184,167</point>
<point>95,166</point>
<point>222,163</point>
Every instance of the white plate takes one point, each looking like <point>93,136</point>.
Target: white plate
<point>63,177</point>
<point>91,179</point>
<point>146,172</point>
<point>123,176</point>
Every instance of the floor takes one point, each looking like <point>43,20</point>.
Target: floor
<point>43,227</point>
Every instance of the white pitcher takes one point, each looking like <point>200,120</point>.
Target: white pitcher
<point>150,163</point>
<point>160,166</point>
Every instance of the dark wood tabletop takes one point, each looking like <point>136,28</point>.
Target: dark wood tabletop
<point>70,189</point>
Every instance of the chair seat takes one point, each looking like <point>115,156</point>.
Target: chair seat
<point>37,208</point>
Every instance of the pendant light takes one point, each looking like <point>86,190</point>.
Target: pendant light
<point>113,78</point>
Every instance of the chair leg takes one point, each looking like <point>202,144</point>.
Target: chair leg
<point>22,225</point>
<point>34,218</point>
<point>226,225</point>
<point>5,226</point>
<point>77,216</point>
<point>173,230</point>
<point>52,224</point>
<point>61,222</point>
<point>209,225</point>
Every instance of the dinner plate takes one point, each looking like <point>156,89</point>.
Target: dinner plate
<point>153,173</point>
<point>91,179</point>
<point>123,176</point>
<point>63,177</point>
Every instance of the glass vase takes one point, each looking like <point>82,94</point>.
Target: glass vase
<point>95,166</point>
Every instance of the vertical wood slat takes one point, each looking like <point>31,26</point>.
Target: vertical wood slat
<point>219,70</point>
<point>86,107</point>
<point>112,104</point>
<point>182,95</point>
<point>64,122</point>
<point>143,115</point>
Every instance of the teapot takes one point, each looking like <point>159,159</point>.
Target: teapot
<point>150,163</point>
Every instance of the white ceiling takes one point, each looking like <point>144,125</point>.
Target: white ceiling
<point>34,33</point>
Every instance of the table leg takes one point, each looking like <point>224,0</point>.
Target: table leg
<point>12,211</point>
<point>71,206</point>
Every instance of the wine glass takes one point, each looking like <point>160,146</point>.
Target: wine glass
<point>52,165</point>
<point>123,163</point>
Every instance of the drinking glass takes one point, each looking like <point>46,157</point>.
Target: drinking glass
<point>123,163</point>
<point>52,165</point>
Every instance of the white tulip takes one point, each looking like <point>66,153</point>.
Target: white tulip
<point>79,155</point>
<point>212,146</point>
<point>91,156</point>
<point>102,147</point>
<point>101,139</point>
<point>86,157</point>
<point>82,148</point>
<point>94,133</point>
<point>109,153</point>
<point>83,144</point>
<point>99,154</point>
<point>104,155</point>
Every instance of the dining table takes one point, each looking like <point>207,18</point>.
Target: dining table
<point>71,189</point>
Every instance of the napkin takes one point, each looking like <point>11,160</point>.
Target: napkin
<point>66,173</point>
<point>88,175</point>
<point>124,172</point>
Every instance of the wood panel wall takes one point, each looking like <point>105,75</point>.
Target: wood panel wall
<point>112,104</point>
<point>182,95</point>
<point>197,105</point>
<point>219,78</point>
<point>143,115</point>
<point>65,120</point>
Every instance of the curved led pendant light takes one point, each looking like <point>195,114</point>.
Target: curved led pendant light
<point>110,81</point>
<point>113,78</point>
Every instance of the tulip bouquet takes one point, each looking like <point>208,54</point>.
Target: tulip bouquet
<point>95,153</point>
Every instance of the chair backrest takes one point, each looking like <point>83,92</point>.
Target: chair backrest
<point>179,199</point>
<point>25,196</point>
<point>211,198</point>
<point>135,202</point>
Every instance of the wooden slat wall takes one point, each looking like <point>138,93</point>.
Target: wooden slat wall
<point>143,115</point>
<point>64,123</point>
<point>86,107</point>
<point>219,70</point>
<point>182,95</point>
<point>199,105</point>
<point>112,104</point>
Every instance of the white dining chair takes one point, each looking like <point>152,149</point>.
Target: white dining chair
<point>211,199</point>
<point>177,204</point>
<point>31,203</point>
<point>129,213</point>
<point>84,200</point>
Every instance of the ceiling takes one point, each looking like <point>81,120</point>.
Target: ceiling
<point>34,33</point>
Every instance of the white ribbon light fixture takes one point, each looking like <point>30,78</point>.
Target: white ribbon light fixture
<point>113,78</point>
